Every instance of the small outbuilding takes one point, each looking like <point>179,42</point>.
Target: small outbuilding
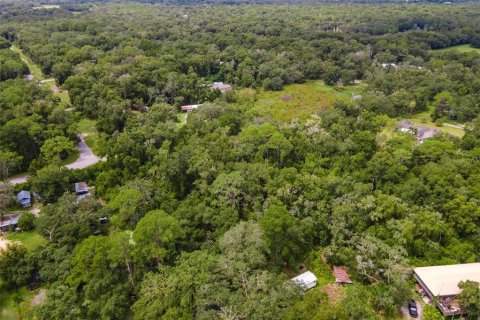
<point>306,280</point>
<point>189,108</point>
<point>341,275</point>
<point>81,190</point>
<point>24,198</point>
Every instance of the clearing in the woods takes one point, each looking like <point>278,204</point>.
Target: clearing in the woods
<point>302,100</point>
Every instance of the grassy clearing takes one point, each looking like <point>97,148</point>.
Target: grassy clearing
<point>34,69</point>
<point>461,48</point>
<point>31,239</point>
<point>301,100</point>
<point>72,157</point>
<point>39,76</point>
<point>87,126</point>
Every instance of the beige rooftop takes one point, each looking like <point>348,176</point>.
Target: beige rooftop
<point>443,280</point>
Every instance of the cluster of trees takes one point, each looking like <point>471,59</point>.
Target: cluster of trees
<point>205,219</point>
<point>34,129</point>
<point>169,54</point>
<point>449,82</point>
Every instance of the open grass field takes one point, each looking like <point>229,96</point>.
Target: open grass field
<point>301,100</point>
<point>31,239</point>
<point>461,48</point>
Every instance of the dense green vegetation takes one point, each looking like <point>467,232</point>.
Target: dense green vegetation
<point>208,216</point>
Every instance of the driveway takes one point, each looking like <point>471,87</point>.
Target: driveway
<point>406,315</point>
<point>18,180</point>
<point>86,157</point>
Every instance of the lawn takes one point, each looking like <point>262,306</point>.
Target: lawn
<point>429,124</point>
<point>461,48</point>
<point>71,158</point>
<point>424,119</point>
<point>301,100</point>
<point>30,239</point>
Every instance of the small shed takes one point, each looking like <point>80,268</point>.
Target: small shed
<point>24,198</point>
<point>341,274</point>
<point>82,190</point>
<point>306,280</point>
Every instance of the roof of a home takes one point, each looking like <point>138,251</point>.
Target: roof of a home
<point>190,107</point>
<point>9,219</point>
<point>443,280</point>
<point>221,86</point>
<point>306,277</point>
<point>341,274</point>
<point>23,195</point>
<point>81,187</point>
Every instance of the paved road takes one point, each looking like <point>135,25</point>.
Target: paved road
<point>18,180</point>
<point>86,157</point>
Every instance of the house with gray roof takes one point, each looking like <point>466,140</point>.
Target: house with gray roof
<point>24,198</point>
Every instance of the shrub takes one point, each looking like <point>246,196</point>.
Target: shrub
<point>26,221</point>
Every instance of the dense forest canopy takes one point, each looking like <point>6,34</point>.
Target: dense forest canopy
<point>207,216</point>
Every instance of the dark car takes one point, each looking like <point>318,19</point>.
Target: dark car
<point>412,309</point>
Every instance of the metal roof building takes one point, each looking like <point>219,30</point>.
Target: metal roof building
<point>441,283</point>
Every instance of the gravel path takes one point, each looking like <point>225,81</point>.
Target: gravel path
<point>86,157</point>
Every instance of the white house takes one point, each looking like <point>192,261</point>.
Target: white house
<point>306,280</point>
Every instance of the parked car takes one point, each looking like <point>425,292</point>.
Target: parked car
<point>412,309</point>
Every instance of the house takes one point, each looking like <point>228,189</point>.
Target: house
<point>189,108</point>
<point>306,280</point>
<point>82,190</point>
<point>440,284</point>
<point>424,133</point>
<point>9,222</point>
<point>221,86</point>
<point>341,275</point>
<point>25,199</point>
<point>421,132</point>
